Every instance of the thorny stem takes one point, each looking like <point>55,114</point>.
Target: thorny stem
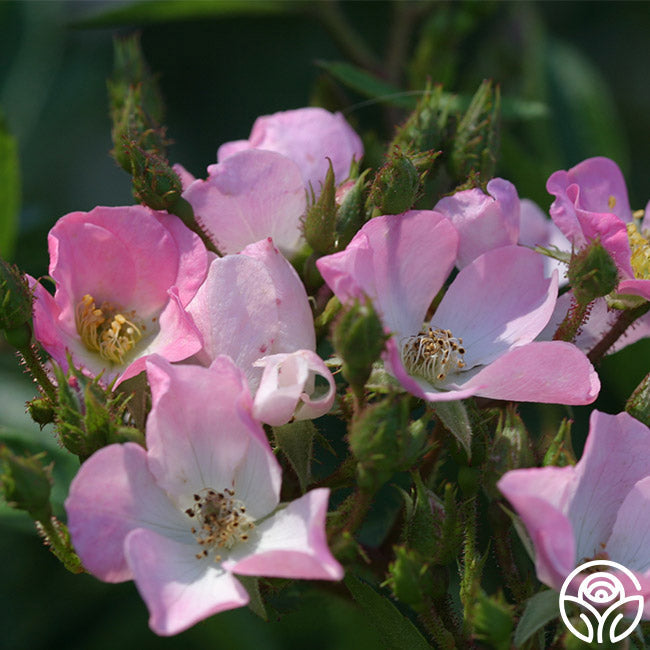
<point>617,330</point>
<point>434,625</point>
<point>185,212</point>
<point>568,328</point>
<point>35,367</point>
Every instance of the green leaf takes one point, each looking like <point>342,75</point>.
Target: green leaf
<point>521,531</point>
<point>256,603</point>
<point>397,631</point>
<point>540,609</point>
<point>455,418</point>
<point>368,85</point>
<point>146,11</point>
<point>296,440</point>
<point>9,192</point>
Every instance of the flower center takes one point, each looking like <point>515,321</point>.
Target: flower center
<point>640,247</point>
<point>433,354</point>
<point>106,330</point>
<point>221,521</point>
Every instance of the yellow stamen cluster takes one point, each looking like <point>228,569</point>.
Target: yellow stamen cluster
<point>640,247</point>
<point>221,521</point>
<point>433,354</point>
<point>105,330</point>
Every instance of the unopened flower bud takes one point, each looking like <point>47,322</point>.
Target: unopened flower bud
<point>359,339</point>
<point>375,441</point>
<point>476,141</point>
<point>320,218</point>
<point>560,452</point>
<point>638,406</point>
<point>41,411</point>
<point>511,449</point>
<point>350,215</point>
<point>592,273</point>
<point>413,581</point>
<point>15,306</point>
<point>155,183</point>
<point>26,483</point>
<point>396,185</point>
<point>493,620</point>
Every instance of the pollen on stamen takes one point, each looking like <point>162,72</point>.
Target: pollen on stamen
<point>106,330</point>
<point>221,520</point>
<point>640,252</point>
<point>432,354</point>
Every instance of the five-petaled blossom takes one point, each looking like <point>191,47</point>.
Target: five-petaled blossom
<point>254,308</point>
<point>200,506</point>
<point>123,276</point>
<point>598,509</point>
<point>591,202</point>
<point>480,339</point>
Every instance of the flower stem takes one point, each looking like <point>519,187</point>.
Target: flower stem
<point>184,211</point>
<point>617,330</point>
<point>34,366</point>
<point>568,328</point>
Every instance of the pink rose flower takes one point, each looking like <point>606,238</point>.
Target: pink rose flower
<point>308,136</point>
<point>591,203</point>
<point>123,278</point>
<point>254,308</point>
<point>199,507</point>
<point>480,340</point>
<point>597,509</point>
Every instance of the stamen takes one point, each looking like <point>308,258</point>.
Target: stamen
<point>105,330</point>
<point>640,248</point>
<point>611,202</point>
<point>221,521</point>
<point>432,355</point>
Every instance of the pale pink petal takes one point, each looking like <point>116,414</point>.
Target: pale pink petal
<point>201,435</point>
<point>635,288</point>
<point>228,149</point>
<point>483,221</point>
<point>192,256</point>
<point>502,300</point>
<point>400,262</point>
<point>308,136</point>
<point>286,386</point>
<point>179,589</point>
<point>602,187</point>
<point>112,494</point>
<point>295,326</point>
<point>236,311</point>
<point>629,543</point>
<point>615,458</point>
<point>177,338</point>
<point>291,544</point>
<point>550,372</point>
<point>539,496</point>
<point>536,229</point>
<point>252,195</point>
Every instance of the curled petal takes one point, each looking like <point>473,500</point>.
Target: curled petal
<point>292,543</point>
<point>286,388</point>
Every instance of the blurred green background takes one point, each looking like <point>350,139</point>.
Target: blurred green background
<point>221,64</point>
